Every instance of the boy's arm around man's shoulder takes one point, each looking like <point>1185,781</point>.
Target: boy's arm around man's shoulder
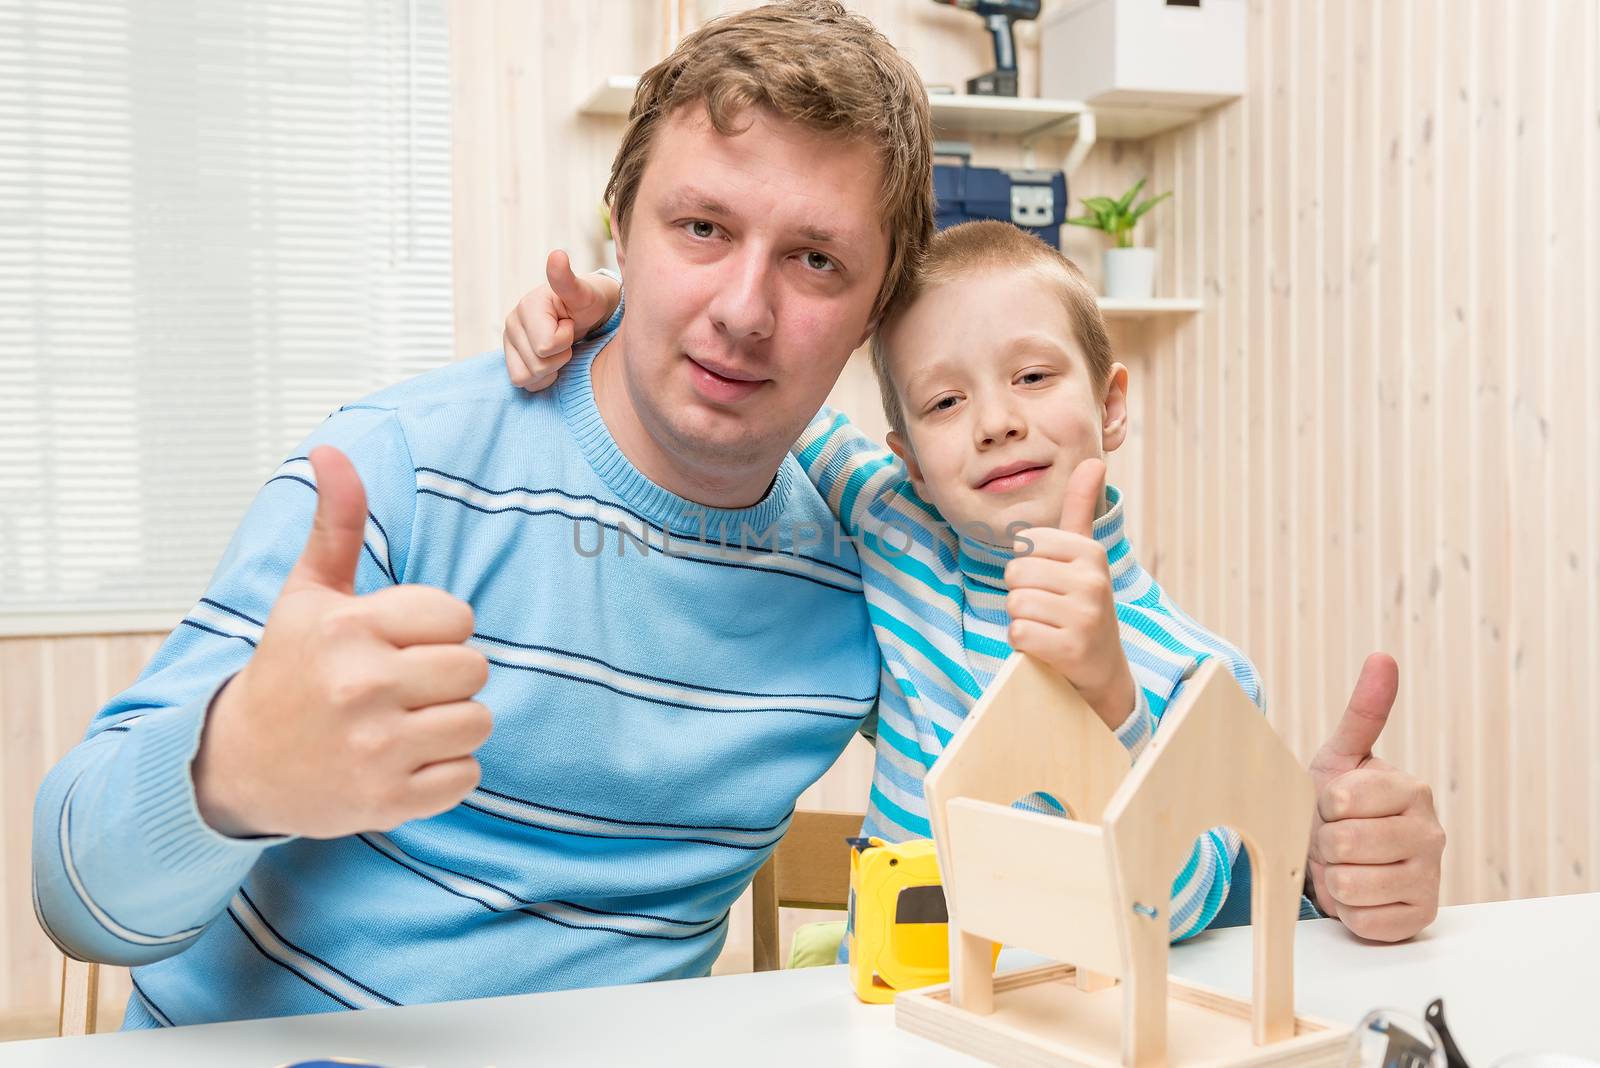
<point>125,868</point>
<point>848,467</point>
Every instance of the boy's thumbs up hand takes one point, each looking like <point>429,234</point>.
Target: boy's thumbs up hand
<point>353,713</point>
<point>1085,489</point>
<point>1060,602</point>
<point>1376,842</point>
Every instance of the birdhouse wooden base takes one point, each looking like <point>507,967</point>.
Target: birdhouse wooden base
<point>1041,1018</point>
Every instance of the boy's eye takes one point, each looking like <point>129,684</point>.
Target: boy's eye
<point>701,228</point>
<point>1032,378</point>
<point>943,404</point>
<point>818,262</point>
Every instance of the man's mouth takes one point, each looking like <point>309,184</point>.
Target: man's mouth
<point>720,383</point>
<point>1012,476</point>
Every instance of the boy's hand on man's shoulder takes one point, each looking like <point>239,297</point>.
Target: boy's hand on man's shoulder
<point>1060,603</point>
<point>542,328</point>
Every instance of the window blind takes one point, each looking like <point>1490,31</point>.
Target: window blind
<point>218,222</point>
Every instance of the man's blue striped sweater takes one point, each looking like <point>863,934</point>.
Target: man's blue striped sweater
<point>658,710</point>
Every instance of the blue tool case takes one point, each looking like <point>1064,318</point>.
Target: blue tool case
<point>1036,201</point>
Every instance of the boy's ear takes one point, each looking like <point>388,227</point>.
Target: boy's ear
<point>1114,410</point>
<point>902,448</point>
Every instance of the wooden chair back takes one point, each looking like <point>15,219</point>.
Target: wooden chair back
<point>80,997</point>
<point>810,869</point>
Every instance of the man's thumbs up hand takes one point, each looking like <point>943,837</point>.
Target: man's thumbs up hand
<point>1060,602</point>
<point>353,713</point>
<point>1376,842</point>
<point>1350,745</point>
<point>338,529</point>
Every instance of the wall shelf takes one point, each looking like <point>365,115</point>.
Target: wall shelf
<point>1020,116</point>
<point>1016,115</point>
<point>1149,309</point>
<point>1137,121</point>
<point>1128,116</point>
<point>613,97</point>
<point>1028,118</point>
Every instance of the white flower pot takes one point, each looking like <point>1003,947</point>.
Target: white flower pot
<point>1130,273</point>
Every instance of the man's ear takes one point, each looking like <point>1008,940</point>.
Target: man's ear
<point>872,328</point>
<point>616,237</point>
<point>902,448</point>
<point>1114,410</point>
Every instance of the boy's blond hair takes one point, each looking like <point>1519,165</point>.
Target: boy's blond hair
<point>813,63</point>
<point>977,246</point>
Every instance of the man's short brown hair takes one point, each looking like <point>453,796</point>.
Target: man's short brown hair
<point>977,246</point>
<point>813,63</point>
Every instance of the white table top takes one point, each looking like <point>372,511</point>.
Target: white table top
<point>1516,976</point>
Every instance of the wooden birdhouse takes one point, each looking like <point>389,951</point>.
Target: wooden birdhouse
<point>1093,892</point>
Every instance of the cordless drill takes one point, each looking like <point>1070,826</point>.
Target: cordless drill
<point>999,16</point>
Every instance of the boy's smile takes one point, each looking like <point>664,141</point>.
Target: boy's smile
<point>1013,476</point>
<point>999,401</point>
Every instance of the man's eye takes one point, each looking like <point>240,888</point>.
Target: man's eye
<point>701,228</point>
<point>818,262</point>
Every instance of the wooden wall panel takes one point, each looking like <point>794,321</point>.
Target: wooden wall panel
<point>1419,366</point>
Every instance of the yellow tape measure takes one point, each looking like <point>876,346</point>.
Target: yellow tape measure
<point>897,928</point>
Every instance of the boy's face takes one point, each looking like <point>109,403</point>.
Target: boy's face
<point>999,405</point>
<point>752,265</point>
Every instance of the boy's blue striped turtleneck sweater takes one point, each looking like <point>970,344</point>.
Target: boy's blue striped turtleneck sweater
<point>938,603</point>
<point>657,713</point>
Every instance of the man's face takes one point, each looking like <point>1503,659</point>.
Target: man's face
<point>998,400</point>
<point>752,263</point>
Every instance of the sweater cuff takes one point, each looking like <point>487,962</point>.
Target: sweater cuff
<point>1135,732</point>
<point>167,813</point>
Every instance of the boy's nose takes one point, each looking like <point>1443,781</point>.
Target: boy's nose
<point>1000,427</point>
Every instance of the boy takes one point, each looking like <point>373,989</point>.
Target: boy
<point>996,375</point>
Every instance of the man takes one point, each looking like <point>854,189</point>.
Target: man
<point>300,806</point>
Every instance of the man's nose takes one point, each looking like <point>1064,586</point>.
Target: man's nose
<point>742,307</point>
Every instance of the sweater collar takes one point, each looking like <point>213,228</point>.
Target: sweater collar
<point>575,391</point>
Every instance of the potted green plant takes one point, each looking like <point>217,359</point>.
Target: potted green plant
<point>1130,273</point>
